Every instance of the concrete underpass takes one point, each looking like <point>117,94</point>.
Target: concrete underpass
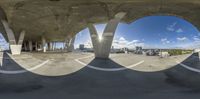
<point>33,68</point>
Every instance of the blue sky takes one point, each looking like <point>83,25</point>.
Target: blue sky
<point>3,43</point>
<point>150,32</point>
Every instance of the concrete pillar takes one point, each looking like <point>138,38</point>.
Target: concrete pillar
<point>30,44</point>
<point>15,46</point>
<point>53,46</point>
<point>44,44</point>
<point>36,46</point>
<point>66,43</point>
<point>25,46</point>
<point>63,47</point>
<point>9,32</point>
<point>102,47</point>
<point>50,46</point>
<point>71,45</point>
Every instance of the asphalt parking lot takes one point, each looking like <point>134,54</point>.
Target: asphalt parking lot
<point>123,76</point>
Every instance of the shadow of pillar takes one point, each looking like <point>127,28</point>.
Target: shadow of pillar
<point>19,82</point>
<point>184,76</point>
<point>8,64</point>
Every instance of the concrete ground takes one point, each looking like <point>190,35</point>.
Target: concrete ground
<point>123,76</point>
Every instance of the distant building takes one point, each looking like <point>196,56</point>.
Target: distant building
<point>196,50</point>
<point>112,50</point>
<point>138,50</point>
<point>125,50</point>
<point>164,54</point>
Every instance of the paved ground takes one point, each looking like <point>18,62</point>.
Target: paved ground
<point>61,76</point>
<point>140,62</point>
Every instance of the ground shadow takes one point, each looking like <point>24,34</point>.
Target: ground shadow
<point>8,64</point>
<point>89,83</point>
<point>185,76</point>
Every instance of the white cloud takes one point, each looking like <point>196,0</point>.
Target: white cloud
<point>165,41</point>
<point>122,42</point>
<point>133,41</point>
<point>196,38</point>
<point>196,41</point>
<point>171,27</point>
<point>181,38</point>
<point>189,45</point>
<point>179,30</point>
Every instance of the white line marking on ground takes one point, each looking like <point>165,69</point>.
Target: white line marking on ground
<point>188,67</point>
<point>107,69</point>
<point>25,70</point>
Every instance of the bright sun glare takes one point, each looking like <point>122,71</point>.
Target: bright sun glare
<point>100,38</point>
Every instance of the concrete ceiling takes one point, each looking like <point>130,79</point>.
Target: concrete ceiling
<point>58,19</point>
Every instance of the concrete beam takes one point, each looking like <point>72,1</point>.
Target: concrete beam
<point>21,37</point>
<point>95,39</point>
<point>15,46</point>
<point>102,47</point>
<point>9,32</point>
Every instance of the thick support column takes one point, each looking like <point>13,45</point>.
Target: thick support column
<point>102,47</point>
<point>95,40</point>
<point>15,49</point>
<point>15,46</point>
<point>44,44</point>
<point>9,32</point>
<point>71,45</point>
<point>30,44</point>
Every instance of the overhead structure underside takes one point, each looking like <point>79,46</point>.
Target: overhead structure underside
<point>57,20</point>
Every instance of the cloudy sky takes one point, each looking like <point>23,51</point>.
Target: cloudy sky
<point>149,32</point>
